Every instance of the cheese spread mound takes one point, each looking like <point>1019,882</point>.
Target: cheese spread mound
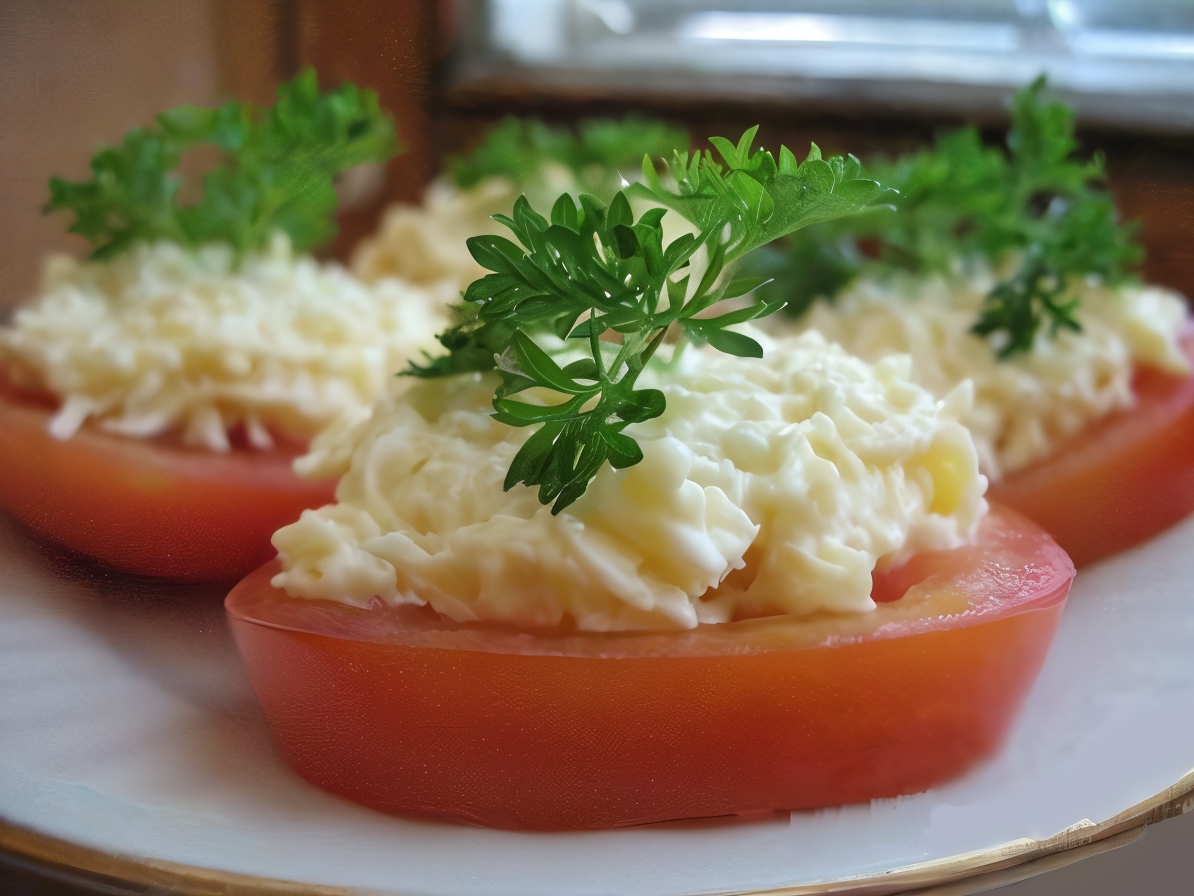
<point>767,487</point>
<point>1024,406</point>
<point>163,338</point>
<point>426,243</point>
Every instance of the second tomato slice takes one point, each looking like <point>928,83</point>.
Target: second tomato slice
<point>147,507</point>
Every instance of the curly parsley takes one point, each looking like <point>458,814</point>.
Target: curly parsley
<point>594,153</point>
<point>963,199</point>
<point>598,277</point>
<point>277,171</point>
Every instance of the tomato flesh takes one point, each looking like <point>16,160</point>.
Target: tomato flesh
<point>1120,480</point>
<point>408,713</point>
<point>147,507</point>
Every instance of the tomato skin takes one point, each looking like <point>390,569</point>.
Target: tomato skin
<point>1119,481</point>
<point>482,725</point>
<point>147,507</point>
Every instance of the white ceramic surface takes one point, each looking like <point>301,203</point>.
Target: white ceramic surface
<point>127,724</point>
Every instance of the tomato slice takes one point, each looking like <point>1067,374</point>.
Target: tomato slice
<point>1119,481</point>
<point>408,713</point>
<point>147,507</point>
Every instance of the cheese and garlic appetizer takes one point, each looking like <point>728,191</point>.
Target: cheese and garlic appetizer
<point>164,338</point>
<point>1003,266</point>
<point>207,317</point>
<point>1028,403</point>
<point>565,464</point>
<point>766,487</point>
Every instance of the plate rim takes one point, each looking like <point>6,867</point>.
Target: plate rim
<point>940,876</point>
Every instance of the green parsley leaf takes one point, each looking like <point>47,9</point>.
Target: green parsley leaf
<point>522,150</point>
<point>965,200</point>
<point>603,281</point>
<point>757,198</point>
<point>277,171</point>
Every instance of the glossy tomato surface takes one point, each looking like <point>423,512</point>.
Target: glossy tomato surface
<point>144,506</point>
<point>1119,481</point>
<point>405,712</point>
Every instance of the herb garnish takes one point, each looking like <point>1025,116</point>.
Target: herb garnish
<point>964,200</point>
<point>521,149</point>
<point>598,277</point>
<point>277,172</point>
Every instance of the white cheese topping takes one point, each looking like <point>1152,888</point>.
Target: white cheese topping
<point>1025,405</point>
<point>427,243</point>
<point>163,338</point>
<point>792,476</point>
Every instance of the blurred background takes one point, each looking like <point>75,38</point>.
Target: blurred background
<point>864,76</point>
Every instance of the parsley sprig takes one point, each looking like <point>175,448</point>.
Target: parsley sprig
<point>964,200</point>
<point>277,171</point>
<point>602,280</point>
<point>594,153</point>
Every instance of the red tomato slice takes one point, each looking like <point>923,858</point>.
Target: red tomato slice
<point>147,507</point>
<point>1119,481</point>
<point>403,711</point>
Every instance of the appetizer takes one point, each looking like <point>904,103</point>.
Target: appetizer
<point>155,395</point>
<point>427,243</point>
<point>1007,268</point>
<point>618,558</point>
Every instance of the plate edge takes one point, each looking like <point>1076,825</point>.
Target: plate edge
<point>44,850</point>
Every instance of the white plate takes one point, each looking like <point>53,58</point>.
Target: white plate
<point>128,726</point>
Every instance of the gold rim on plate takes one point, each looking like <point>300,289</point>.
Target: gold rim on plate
<point>955,876</point>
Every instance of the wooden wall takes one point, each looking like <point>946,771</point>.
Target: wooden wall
<point>74,73</point>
